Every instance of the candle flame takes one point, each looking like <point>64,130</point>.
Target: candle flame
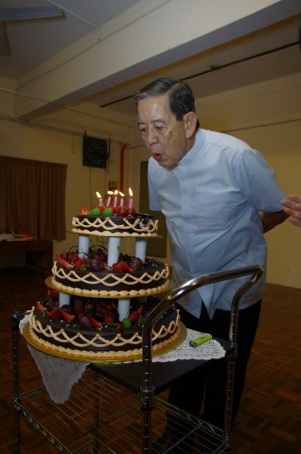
<point>116,192</point>
<point>110,192</point>
<point>98,195</point>
<point>130,192</point>
<point>121,194</point>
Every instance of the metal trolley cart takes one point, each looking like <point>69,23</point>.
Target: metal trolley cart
<point>115,408</point>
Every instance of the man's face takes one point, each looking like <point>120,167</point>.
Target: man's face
<point>165,137</point>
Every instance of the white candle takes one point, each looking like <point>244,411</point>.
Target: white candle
<point>113,250</point>
<point>123,308</point>
<point>140,248</point>
<point>99,199</point>
<point>64,299</point>
<point>83,245</point>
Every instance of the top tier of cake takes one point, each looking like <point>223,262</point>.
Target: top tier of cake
<point>141,225</point>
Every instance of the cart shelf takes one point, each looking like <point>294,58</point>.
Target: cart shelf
<point>116,408</point>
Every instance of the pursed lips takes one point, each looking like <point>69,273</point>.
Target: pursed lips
<point>157,156</point>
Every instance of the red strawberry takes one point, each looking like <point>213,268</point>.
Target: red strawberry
<point>40,306</point>
<point>79,262</point>
<point>134,316</point>
<point>95,323</point>
<point>84,211</point>
<point>117,266</point>
<point>78,308</point>
<point>110,305</point>
<point>121,210</point>
<point>67,316</point>
<point>102,310</point>
<point>120,327</point>
<point>127,268</point>
<point>55,314</point>
<point>109,319</point>
<point>122,266</point>
<point>63,262</point>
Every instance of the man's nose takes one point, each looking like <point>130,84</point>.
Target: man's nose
<point>151,136</point>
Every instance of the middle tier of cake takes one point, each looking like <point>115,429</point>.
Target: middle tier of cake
<point>152,278</point>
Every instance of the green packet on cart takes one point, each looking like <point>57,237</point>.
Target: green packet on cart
<point>200,340</point>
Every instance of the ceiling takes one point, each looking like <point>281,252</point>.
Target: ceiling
<point>269,53</point>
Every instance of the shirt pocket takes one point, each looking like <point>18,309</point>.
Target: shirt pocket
<point>215,212</point>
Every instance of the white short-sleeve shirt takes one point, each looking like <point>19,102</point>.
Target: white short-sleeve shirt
<point>211,202</point>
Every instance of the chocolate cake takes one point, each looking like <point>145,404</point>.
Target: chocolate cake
<point>99,297</point>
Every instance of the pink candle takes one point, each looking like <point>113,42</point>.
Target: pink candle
<point>99,199</point>
<point>115,199</point>
<point>110,193</point>
<point>121,198</point>
<point>131,201</point>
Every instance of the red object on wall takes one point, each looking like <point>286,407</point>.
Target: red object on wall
<point>123,149</point>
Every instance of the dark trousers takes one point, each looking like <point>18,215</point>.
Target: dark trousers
<point>209,382</point>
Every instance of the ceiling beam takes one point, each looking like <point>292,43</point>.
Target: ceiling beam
<point>140,41</point>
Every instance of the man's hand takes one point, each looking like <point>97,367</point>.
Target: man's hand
<point>293,208</point>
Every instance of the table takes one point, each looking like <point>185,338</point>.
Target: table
<point>38,253</point>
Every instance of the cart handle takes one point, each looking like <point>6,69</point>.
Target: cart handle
<point>255,271</point>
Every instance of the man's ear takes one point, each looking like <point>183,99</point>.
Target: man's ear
<point>190,120</point>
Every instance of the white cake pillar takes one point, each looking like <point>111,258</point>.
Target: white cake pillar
<point>113,250</point>
<point>64,298</point>
<point>83,245</point>
<point>140,248</point>
<point>123,308</point>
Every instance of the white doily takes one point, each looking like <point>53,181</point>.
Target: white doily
<point>209,350</point>
<point>60,374</point>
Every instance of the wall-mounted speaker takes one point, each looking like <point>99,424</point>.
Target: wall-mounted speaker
<point>96,152</point>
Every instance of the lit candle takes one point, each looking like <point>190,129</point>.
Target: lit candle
<point>99,199</point>
<point>131,201</point>
<point>110,193</point>
<point>121,198</point>
<point>115,198</point>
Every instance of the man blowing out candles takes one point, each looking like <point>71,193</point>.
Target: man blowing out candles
<point>219,197</point>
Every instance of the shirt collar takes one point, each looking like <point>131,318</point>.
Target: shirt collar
<point>193,153</point>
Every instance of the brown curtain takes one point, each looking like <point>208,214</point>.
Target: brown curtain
<point>32,197</point>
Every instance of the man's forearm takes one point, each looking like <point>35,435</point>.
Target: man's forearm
<point>271,220</point>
